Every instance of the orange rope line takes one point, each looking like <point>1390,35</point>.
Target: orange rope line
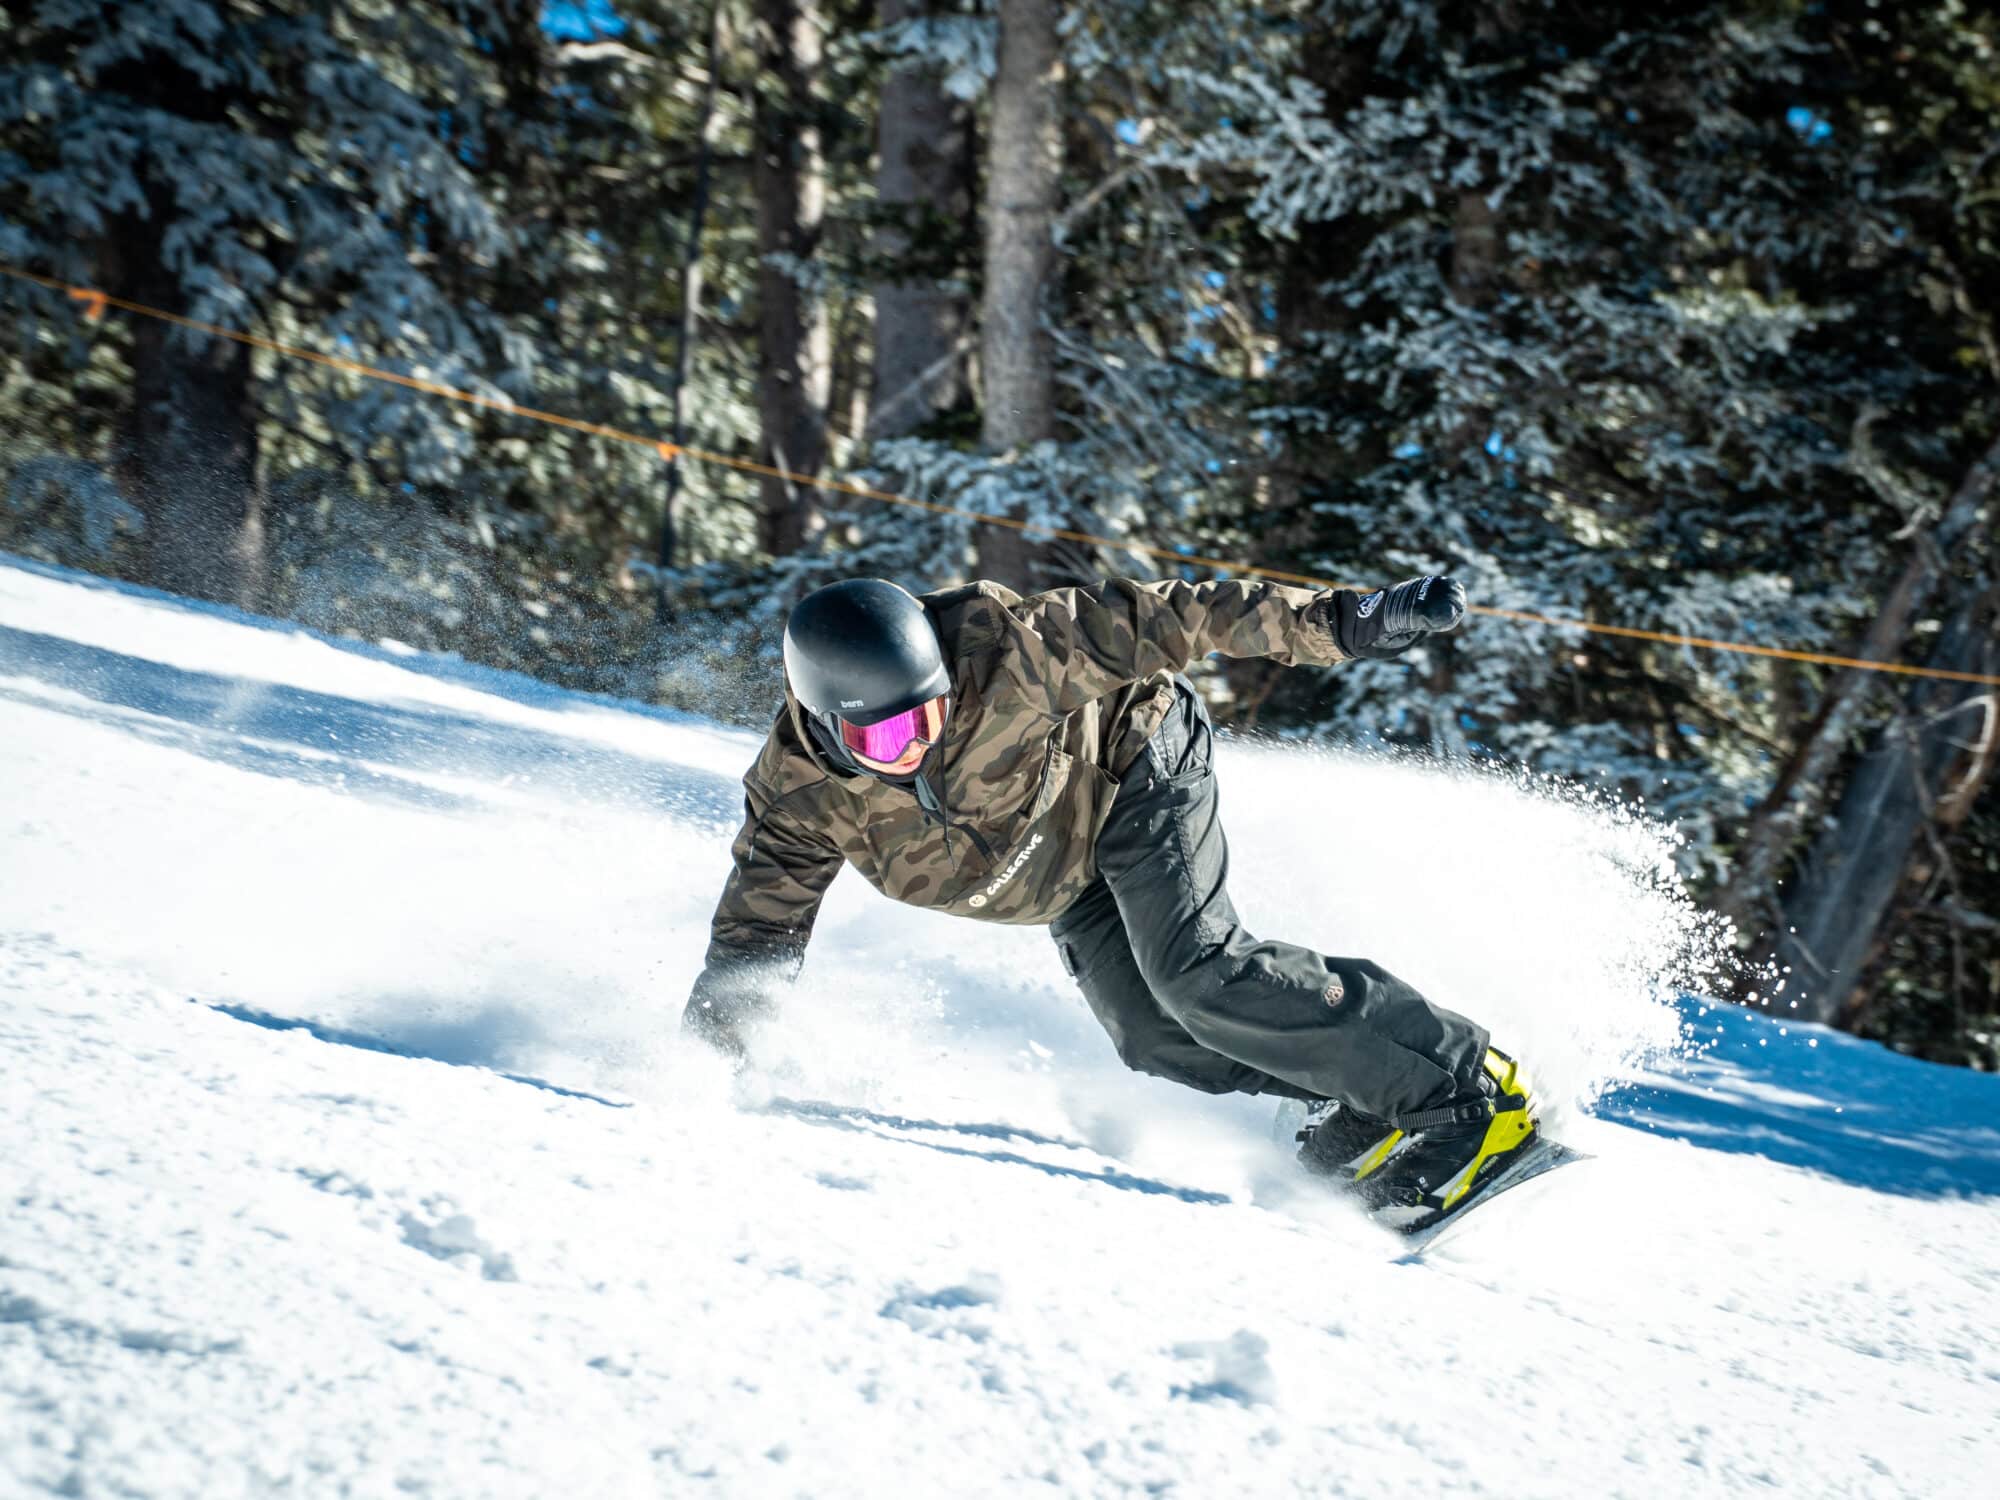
<point>93,302</point>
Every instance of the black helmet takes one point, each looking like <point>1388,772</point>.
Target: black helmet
<point>862,651</point>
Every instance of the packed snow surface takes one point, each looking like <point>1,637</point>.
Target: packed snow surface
<point>346,1146</point>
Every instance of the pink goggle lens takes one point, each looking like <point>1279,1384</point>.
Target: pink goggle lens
<point>886,741</point>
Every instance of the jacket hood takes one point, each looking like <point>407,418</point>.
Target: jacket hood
<point>802,727</point>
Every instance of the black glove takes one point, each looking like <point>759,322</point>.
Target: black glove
<point>1389,621</point>
<point>733,994</point>
<point>719,1025</point>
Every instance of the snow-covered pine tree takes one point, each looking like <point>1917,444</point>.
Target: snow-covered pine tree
<point>467,193</point>
<point>230,162</point>
<point>1574,305</point>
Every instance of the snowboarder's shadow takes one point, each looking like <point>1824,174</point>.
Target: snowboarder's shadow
<point>912,1132</point>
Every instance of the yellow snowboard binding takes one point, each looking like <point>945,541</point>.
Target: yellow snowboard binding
<point>1415,1169</point>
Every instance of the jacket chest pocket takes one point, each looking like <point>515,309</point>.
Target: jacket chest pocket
<point>1055,780</point>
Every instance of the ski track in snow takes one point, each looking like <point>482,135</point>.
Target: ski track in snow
<point>345,1147</point>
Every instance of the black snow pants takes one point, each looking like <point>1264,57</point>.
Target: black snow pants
<point>1187,994</point>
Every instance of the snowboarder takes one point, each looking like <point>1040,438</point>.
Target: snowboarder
<point>1042,760</point>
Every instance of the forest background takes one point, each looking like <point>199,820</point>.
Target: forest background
<point>1672,317</point>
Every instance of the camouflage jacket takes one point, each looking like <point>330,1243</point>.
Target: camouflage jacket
<point>1053,696</point>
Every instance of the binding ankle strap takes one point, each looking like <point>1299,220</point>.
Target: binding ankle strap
<point>1458,1114</point>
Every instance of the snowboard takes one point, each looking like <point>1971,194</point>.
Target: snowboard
<point>1536,1159</point>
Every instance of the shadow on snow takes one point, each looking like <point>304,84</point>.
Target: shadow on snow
<point>1808,1096</point>
<point>887,1128</point>
<point>499,682</point>
<point>468,1043</point>
<point>348,744</point>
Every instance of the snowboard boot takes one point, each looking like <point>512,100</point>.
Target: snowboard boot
<point>1413,1170</point>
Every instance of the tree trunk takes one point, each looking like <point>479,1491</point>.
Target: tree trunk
<point>1927,755</point>
<point>924,184</point>
<point>1802,786</point>
<point>1023,183</point>
<point>1475,249</point>
<point>1307,466</point>
<point>689,322</point>
<point>794,361</point>
<point>189,456</point>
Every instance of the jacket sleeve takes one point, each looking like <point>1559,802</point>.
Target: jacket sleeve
<point>758,938</point>
<point>1085,642</point>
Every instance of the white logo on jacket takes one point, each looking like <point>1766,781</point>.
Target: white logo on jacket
<point>1369,605</point>
<point>980,898</point>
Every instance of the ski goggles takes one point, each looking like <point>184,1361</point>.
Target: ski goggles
<point>888,742</point>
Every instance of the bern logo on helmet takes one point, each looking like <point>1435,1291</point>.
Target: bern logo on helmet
<point>1369,605</point>
<point>853,703</point>
<point>1335,991</point>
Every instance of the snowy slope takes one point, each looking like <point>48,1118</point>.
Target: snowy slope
<point>345,1148</point>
